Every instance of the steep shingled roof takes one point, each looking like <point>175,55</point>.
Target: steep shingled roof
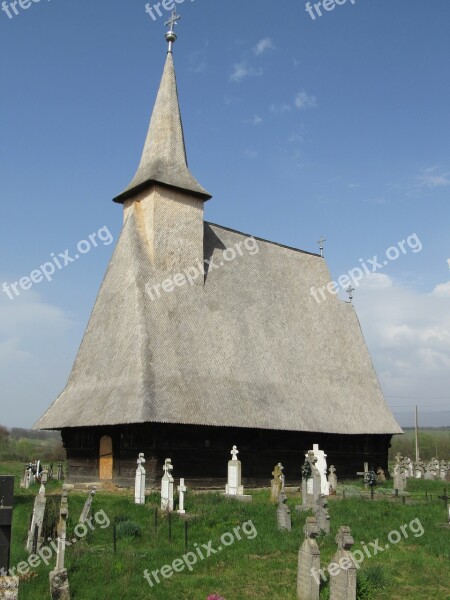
<point>250,348</point>
<point>164,155</point>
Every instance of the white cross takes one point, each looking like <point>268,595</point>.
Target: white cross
<point>234,453</point>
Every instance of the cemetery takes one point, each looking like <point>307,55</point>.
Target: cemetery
<point>314,536</point>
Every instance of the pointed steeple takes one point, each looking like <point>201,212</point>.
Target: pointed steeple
<point>164,156</point>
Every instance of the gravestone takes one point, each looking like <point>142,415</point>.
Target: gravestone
<point>364,474</point>
<point>332,480</point>
<point>275,487</point>
<point>87,507</point>
<point>59,473</point>
<point>182,489</point>
<point>443,470</point>
<point>9,586</point>
<point>311,482</point>
<point>399,473</point>
<point>381,475</point>
<point>284,514</point>
<point>409,468</point>
<point>321,466</point>
<point>37,519</point>
<point>139,486</point>
<point>59,582</point>
<point>234,488</point>
<point>308,585</point>
<point>167,486</point>
<point>419,469</point>
<point>343,568</point>
<point>321,514</point>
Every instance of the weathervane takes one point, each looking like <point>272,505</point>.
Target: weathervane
<point>321,246</point>
<point>350,291</point>
<point>171,35</point>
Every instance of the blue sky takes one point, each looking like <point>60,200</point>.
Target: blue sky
<point>298,127</point>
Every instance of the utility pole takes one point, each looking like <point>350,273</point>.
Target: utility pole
<point>417,438</point>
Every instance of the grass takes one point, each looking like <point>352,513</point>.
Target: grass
<point>264,567</point>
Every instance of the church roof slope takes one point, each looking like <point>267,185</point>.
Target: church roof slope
<point>249,348</point>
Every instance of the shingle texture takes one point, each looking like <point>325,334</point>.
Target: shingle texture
<point>249,348</point>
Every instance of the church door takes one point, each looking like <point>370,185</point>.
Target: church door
<point>106,458</point>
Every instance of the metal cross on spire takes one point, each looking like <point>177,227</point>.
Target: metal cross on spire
<point>321,246</point>
<point>171,35</point>
<point>350,291</point>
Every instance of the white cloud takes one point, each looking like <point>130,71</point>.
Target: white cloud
<point>408,334</point>
<point>280,108</point>
<point>262,46</point>
<point>304,100</point>
<point>432,178</point>
<point>255,120</point>
<point>242,70</point>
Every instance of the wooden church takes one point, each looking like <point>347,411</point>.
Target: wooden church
<point>184,367</point>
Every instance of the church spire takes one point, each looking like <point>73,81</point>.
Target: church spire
<point>164,156</point>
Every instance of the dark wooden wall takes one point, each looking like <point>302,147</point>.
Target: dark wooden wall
<point>200,453</point>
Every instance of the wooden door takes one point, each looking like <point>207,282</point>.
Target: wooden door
<point>106,458</point>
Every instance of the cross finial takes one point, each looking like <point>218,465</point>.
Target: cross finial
<point>234,452</point>
<point>350,291</point>
<point>171,35</point>
<point>321,246</point>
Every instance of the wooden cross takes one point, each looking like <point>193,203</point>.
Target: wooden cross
<point>364,473</point>
<point>445,498</point>
<point>6,513</point>
<point>173,20</point>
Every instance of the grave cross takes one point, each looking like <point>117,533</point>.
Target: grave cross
<point>321,244</point>
<point>350,291</point>
<point>6,513</point>
<point>366,470</point>
<point>234,453</point>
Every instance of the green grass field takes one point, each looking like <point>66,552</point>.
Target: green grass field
<point>262,566</point>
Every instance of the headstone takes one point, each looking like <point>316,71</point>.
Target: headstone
<point>276,483</point>
<point>343,578</point>
<point>284,514</point>
<point>182,489</point>
<point>419,469</point>
<point>443,470</point>
<point>311,482</point>
<point>308,582</point>
<point>139,487</point>
<point>321,513</point>
<point>37,519</point>
<point>59,583</point>
<point>6,515</point>
<point>332,480</point>
<point>381,475</point>
<point>409,468</point>
<point>399,474</point>
<point>234,488</point>
<point>167,486</point>
<point>87,507</point>
<point>321,466</point>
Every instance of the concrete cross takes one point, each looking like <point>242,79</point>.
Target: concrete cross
<point>234,452</point>
<point>364,473</point>
<point>182,489</point>
<point>168,467</point>
<point>344,538</point>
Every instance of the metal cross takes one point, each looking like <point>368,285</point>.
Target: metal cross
<point>321,246</point>
<point>173,20</point>
<point>350,291</point>
<point>445,498</point>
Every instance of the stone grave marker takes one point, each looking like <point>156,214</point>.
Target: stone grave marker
<point>234,488</point>
<point>332,480</point>
<point>381,475</point>
<point>275,487</point>
<point>37,519</point>
<point>59,582</point>
<point>311,482</point>
<point>87,507</point>
<point>167,486</point>
<point>364,473</point>
<point>182,489</point>
<point>308,586</point>
<point>443,470</point>
<point>284,514</point>
<point>139,486</point>
<point>419,469</point>
<point>321,466</point>
<point>343,568</point>
<point>322,515</point>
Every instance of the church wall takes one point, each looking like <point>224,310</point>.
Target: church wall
<point>200,454</point>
